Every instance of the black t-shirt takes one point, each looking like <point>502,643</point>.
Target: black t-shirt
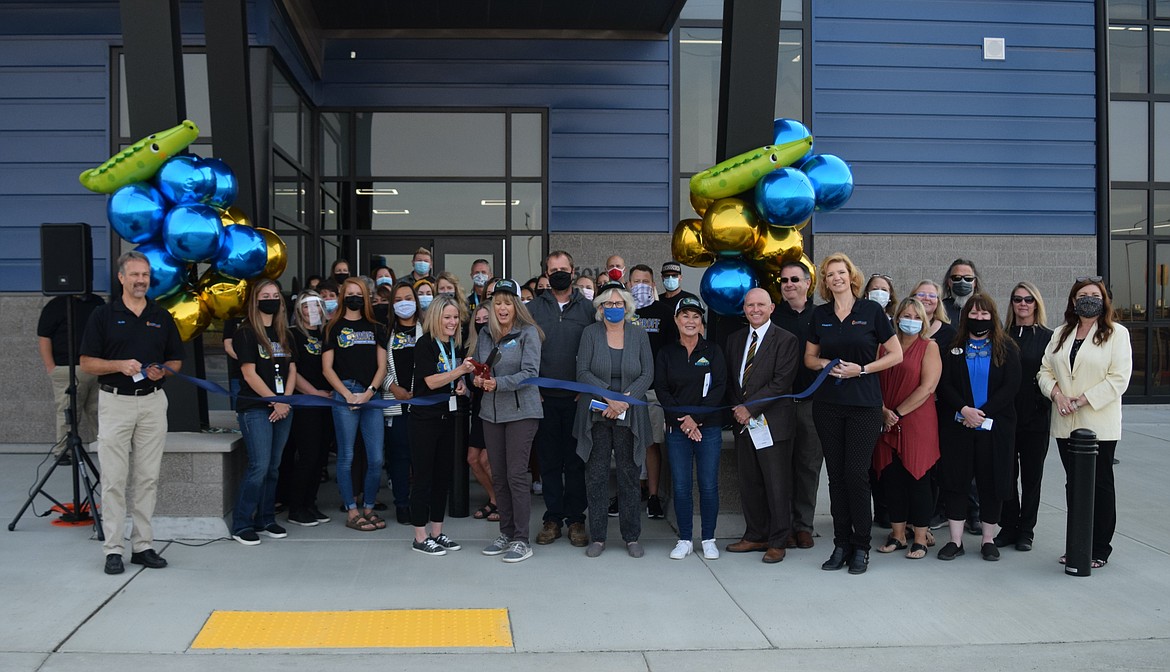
<point>308,348</point>
<point>115,332</point>
<point>945,336</point>
<point>797,324</point>
<point>355,349</point>
<point>54,326</point>
<point>268,365</point>
<point>230,326</point>
<point>856,340</point>
<point>658,320</point>
<point>402,342</point>
<point>429,359</point>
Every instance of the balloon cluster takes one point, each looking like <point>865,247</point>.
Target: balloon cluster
<point>181,215</point>
<point>751,209</point>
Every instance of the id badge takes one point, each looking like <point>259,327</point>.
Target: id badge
<point>452,405</point>
<point>706,384</point>
<point>279,385</point>
<point>758,430</point>
<point>138,377</point>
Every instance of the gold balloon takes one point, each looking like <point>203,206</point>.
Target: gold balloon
<point>774,246</point>
<point>730,225</point>
<point>222,296</point>
<point>277,254</point>
<point>234,215</point>
<point>686,245</point>
<point>191,316</point>
<point>700,203</point>
<point>772,278</point>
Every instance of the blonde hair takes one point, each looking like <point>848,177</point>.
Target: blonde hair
<point>460,299</point>
<point>603,296</point>
<point>433,320</point>
<point>520,316</point>
<point>1041,314</point>
<point>940,311</point>
<point>920,310</point>
<point>855,279</point>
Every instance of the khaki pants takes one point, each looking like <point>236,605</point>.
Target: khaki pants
<point>131,439</point>
<point>87,405</point>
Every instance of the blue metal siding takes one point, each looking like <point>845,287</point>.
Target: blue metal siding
<point>608,103</point>
<point>939,139</point>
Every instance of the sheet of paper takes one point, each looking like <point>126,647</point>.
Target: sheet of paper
<point>758,430</point>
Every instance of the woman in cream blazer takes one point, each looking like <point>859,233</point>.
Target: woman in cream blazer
<point>1085,370</point>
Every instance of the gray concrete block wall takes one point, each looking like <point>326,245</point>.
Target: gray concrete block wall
<point>29,410</point>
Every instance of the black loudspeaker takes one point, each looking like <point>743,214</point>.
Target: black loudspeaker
<point>66,259</point>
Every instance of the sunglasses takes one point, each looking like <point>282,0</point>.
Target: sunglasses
<point>881,275</point>
<point>960,278</point>
<point>925,295</point>
<point>1090,278</point>
<point>1024,299</point>
<point>794,279</point>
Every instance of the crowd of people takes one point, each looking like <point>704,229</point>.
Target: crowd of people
<point>934,411</point>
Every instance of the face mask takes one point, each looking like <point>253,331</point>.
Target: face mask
<point>979,328</point>
<point>354,302</point>
<point>909,326</point>
<point>268,306</point>
<point>382,312</point>
<point>330,306</point>
<point>447,294</point>
<point>480,279</point>
<point>560,280</point>
<point>587,292</point>
<point>962,287</point>
<point>1088,306</point>
<point>424,300</point>
<point>340,277</point>
<point>405,309</point>
<point>422,267</point>
<point>643,295</point>
<point>615,315</point>
<point>670,282</point>
<point>540,292</point>
<point>383,281</point>
<point>879,296</point>
<point>615,274</point>
<point>525,301</point>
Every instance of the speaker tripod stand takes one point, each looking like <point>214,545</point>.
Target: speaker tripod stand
<point>79,511</point>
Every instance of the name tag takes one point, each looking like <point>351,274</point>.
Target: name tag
<point>452,405</point>
<point>758,430</point>
<point>138,377</point>
<point>706,383</point>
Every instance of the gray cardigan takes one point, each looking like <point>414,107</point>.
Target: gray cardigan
<point>519,360</point>
<point>593,368</point>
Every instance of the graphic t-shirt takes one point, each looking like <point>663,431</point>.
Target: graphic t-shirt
<point>269,365</point>
<point>354,344</point>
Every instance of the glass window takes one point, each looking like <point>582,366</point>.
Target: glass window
<point>194,88</point>
<point>1161,281</point>
<point>1162,139</point>
<point>790,77</point>
<point>1161,59</point>
<point>286,131</point>
<point>433,206</point>
<point>524,257</point>
<point>527,145</point>
<point>527,206</point>
<point>1162,9</point>
<point>1138,336</point>
<point>1160,369</point>
<point>334,144</point>
<point>330,210</point>
<point>332,249</point>
<point>288,199</point>
<point>294,245</point>
<point>1162,212</point>
<point>1127,9</point>
<point>431,144</point>
<point>1129,141</point>
<point>699,96</point>
<point>1127,59</point>
<point>712,10</point>
<point>1127,212</point>
<point>282,168</point>
<point>1127,261</point>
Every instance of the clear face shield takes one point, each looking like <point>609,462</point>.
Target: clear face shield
<point>314,309</point>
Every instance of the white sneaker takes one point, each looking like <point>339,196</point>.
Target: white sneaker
<point>710,549</point>
<point>682,549</point>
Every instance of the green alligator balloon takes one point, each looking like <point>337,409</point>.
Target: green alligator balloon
<point>740,173</point>
<point>139,161</point>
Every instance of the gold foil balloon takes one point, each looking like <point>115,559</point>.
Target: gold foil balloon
<point>772,278</point>
<point>234,215</point>
<point>700,203</point>
<point>730,226</point>
<point>191,316</point>
<point>686,245</point>
<point>277,254</point>
<point>774,245</point>
<point>223,296</point>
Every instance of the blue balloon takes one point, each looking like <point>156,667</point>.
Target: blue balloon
<point>226,186</point>
<point>243,253</point>
<point>785,197</point>
<point>724,285</point>
<point>831,179</point>
<point>166,272</point>
<point>787,130</point>
<point>136,211</point>
<point>184,179</point>
<point>193,232</point>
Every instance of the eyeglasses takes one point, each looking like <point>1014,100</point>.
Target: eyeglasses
<point>961,278</point>
<point>925,295</point>
<point>1090,278</point>
<point>794,279</point>
<point>613,304</point>
<point>1024,299</point>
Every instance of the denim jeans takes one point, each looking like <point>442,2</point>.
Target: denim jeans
<point>704,454</point>
<point>256,503</point>
<point>346,423</point>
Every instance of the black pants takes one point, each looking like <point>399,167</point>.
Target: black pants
<point>908,499</point>
<point>432,457</point>
<point>1018,519</point>
<point>848,436</point>
<point>562,471</point>
<point>1104,496</point>
<point>970,455</point>
<point>312,432</point>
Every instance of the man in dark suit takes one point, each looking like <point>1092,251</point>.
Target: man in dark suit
<point>763,359</point>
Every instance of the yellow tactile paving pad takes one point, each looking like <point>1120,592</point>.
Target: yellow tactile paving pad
<point>395,628</point>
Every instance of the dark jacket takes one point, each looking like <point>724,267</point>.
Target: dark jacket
<point>1032,407</point>
<point>562,335</point>
<point>773,372</point>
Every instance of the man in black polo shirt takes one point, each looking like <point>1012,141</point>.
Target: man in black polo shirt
<point>125,343</point>
<point>53,344</point>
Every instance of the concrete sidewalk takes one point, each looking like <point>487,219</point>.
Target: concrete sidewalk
<point>569,612</point>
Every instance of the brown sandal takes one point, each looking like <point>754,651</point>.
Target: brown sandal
<point>360,523</point>
<point>375,520</point>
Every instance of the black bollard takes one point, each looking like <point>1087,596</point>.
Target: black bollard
<point>457,501</point>
<point>1082,476</point>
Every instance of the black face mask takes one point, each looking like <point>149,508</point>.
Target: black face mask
<point>382,312</point>
<point>268,306</point>
<point>979,328</point>
<point>1088,306</point>
<point>560,280</point>
<point>340,277</point>
<point>540,292</point>
<point>354,302</point>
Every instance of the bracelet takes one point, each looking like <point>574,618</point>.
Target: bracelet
<point>896,413</point>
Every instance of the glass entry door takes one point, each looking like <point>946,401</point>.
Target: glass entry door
<point>449,253</point>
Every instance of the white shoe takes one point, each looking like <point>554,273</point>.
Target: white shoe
<point>710,549</point>
<point>682,549</point>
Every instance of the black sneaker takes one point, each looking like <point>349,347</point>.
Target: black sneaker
<point>247,537</point>
<point>114,564</point>
<point>654,508</point>
<point>428,547</point>
<point>319,514</point>
<point>275,531</point>
<point>304,518</point>
<point>447,542</point>
<point>613,507</point>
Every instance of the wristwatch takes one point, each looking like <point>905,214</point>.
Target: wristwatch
<point>863,372</point>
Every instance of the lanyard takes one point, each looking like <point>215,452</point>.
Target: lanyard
<point>447,360</point>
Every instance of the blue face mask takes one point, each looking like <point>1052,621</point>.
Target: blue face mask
<point>424,300</point>
<point>615,315</point>
<point>909,326</point>
<point>670,282</point>
<point>383,281</point>
<point>422,267</point>
<point>330,306</point>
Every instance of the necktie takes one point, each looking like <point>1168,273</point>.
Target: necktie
<point>750,359</point>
